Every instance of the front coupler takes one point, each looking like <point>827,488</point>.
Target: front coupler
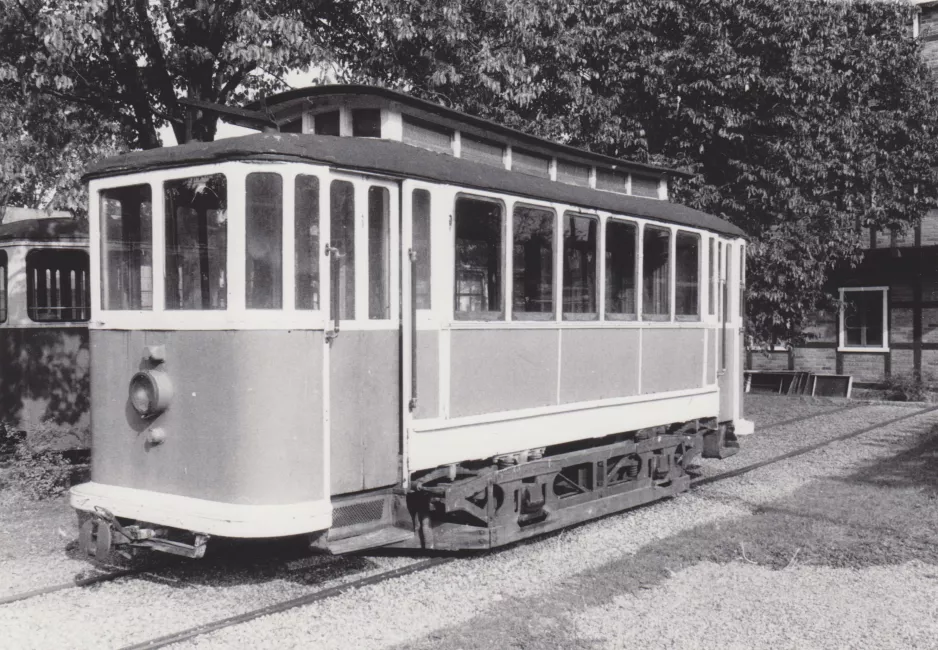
<point>101,534</point>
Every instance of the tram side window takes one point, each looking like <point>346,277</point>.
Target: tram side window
<point>127,248</point>
<point>306,233</point>
<point>197,243</point>
<point>533,255</point>
<point>621,270</point>
<point>579,267</point>
<point>421,244</point>
<point>479,251</point>
<point>263,216</point>
<point>687,276</point>
<point>57,287</point>
<point>379,253</point>
<point>712,298</point>
<point>656,274</point>
<point>342,229</point>
<point>3,286</point>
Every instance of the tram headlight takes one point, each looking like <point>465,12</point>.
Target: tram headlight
<point>151,391</point>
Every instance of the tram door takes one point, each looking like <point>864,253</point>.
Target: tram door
<point>363,333</point>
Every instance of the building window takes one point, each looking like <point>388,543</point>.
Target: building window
<point>3,286</point>
<point>646,186</point>
<point>57,288</point>
<point>533,288</point>
<point>612,181</point>
<point>126,248</point>
<point>481,151</point>
<point>530,163</point>
<point>621,270</point>
<point>863,318</point>
<point>197,243</point>
<point>479,252</point>
<point>656,273</point>
<point>572,173</point>
<point>579,267</point>
<point>263,216</point>
<point>687,276</point>
<point>366,122</point>
<point>306,235</point>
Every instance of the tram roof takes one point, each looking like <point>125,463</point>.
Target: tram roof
<point>44,230</point>
<point>450,117</point>
<point>393,158</point>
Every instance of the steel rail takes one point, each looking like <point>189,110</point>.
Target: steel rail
<point>426,564</point>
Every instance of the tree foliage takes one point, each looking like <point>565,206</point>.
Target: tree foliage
<point>801,120</point>
<point>131,60</point>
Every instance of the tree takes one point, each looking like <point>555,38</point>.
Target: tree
<point>131,60</point>
<point>801,120</point>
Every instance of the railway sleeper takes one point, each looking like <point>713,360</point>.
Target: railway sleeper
<point>530,494</point>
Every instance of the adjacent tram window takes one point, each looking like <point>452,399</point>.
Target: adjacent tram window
<point>197,243</point>
<point>712,260</point>
<point>533,245</point>
<point>379,253</point>
<point>342,232</point>
<point>656,273</point>
<point>3,286</point>
<point>579,267</point>
<point>263,221</point>
<point>421,243</point>
<point>327,123</point>
<point>478,294</point>
<point>306,234</point>
<point>366,122</point>
<point>621,267</point>
<point>127,248</point>
<point>57,288</point>
<point>687,276</point>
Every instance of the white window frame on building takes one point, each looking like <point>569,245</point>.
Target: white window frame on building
<point>842,344</point>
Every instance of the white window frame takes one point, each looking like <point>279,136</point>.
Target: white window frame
<point>842,331</point>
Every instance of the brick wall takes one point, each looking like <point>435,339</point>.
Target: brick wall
<point>903,362</point>
<point>865,366</point>
<point>901,330</point>
<point>816,360</point>
<point>930,220</point>
<point>768,360</point>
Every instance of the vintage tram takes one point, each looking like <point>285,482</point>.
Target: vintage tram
<point>44,309</point>
<point>393,324</point>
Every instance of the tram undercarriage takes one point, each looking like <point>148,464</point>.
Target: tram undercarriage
<point>480,505</point>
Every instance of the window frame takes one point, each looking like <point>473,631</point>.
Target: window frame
<point>32,311</point>
<point>501,315</point>
<point>688,318</point>
<point>532,316</point>
<point>842,345</point>
<point>618,317</point>
<point>598,276</point>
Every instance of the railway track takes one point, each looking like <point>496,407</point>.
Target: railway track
<point>428,563</point>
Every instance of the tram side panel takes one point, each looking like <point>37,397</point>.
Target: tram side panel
<point>244,425</point>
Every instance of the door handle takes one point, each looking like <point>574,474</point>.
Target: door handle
<point>334,255</point>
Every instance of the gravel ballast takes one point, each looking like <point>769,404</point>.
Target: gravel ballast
<point>550,592</point>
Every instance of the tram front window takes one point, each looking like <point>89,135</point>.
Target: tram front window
<point>196,242</point>
<point>126,249</point>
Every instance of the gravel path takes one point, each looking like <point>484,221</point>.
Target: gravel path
<point>567,590</point>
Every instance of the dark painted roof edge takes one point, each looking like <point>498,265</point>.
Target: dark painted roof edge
<point>431,107</point>
<point>391,158</point>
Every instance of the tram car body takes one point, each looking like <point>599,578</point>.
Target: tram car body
<point>349,331</point>
<point>44,309</point>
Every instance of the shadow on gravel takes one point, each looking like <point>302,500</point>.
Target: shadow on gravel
<point>881,515</point>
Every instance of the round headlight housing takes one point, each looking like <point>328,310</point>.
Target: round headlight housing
<point>150,392</point>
